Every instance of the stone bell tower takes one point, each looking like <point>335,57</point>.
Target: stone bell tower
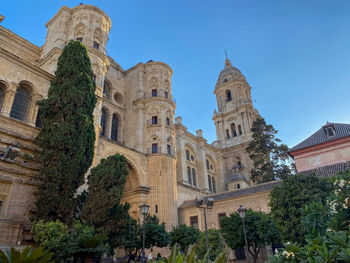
<point>233,120</point>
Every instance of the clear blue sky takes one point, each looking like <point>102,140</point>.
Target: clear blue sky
<point>294,54</point>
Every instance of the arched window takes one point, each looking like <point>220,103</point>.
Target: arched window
<point>103,121</point>
<point>38,122</point>
<point>194,179</point>
<point>114,130</point>
<point>2,94</point>
<point>240,129</point>
<point>189,179</point>
<point>107,90</point>
<point>187,155</point>
<point>207,162</point>
<point>233,129</point>
<point>213,184</point>
<point>21,103</point>
<point>209,183</point>
<point>228,95</point>
<point>227,134</point>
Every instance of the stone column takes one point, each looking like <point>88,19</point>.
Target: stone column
<point>33,110</point>
<point>8,101</point>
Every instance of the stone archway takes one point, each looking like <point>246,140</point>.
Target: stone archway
<point>134,193</point>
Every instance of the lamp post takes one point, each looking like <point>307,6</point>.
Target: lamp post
<point>209,203</point>
<point>241,211</point>
<point>144,210</point>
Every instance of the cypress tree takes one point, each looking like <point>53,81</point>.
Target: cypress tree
<point>102,208</point>
<point>67,138</point>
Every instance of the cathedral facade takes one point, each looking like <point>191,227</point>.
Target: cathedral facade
<point>135,116</point>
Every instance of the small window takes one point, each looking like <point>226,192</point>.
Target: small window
<point>2,94</point>
<point>156,209</point>
<point>80,39</point>
<point>211,167</point>
<point>220,216</point>
<point>227,134</point>
<point>154,93</point>
<point>0,206</point>
<point>233,129</point>
<point>209,183</point>
<point>240,129</point>
<point>38,122</point>
<point>194,178</point>
<point>189,177</point>
<point>187,155</point>
<point>103,122</point>
<point>192,158</point>
<point>238,186</point>
<point>168,149</point>
<point>213,184</point>
<point>207,162</point>
<point>114,130</point>
<point>154,147</point>
<point>166,94</point>
<point>194,221</point>
<point>93,77</point>
<point>167,122</point>
<point>239,165</point>
<point>228,95</point>
<point>330,132</point>
<point>96,45</point>
<point>154,120</point>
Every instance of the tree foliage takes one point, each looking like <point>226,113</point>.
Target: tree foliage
<point>32,255</point>
<point>329,237</point>
<point>67,138</point>
<point>102,208</point>
<point>270,157</point>
<point>216,245</point>
<point>260,230</point>
<point>287,200</point>
<point>80,241</point>
<point>184,236</point>
<point>155,235</point>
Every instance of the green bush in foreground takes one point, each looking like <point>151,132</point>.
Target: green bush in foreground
<point>28,255</point>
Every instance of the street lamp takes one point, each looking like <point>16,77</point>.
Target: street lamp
<point>241,211</point>
<point>209,203</point>
<point>144,210</point>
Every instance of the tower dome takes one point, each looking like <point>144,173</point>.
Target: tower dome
<point>229,73</point>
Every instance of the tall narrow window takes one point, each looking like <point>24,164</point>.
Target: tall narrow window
<point>213,184</point>
<point>107,90</point>
<point>20,104</point>
<point>189,178</point>
<point>240,129</point>
<point>228,95</point>
<point>233,129</point>
<point>38,122</point>
<point>154,147</point>
<point>207,162</point>
<point>156,209</point>
<point>96,45</point>
<point>194,178</point>
<point>167,122</point>
<point>227,134</point>
<point>114,130</point>
<point>168,149</point>
<point>154,120</point>
<point>103,122</point>
<point>2,94</point>
<point>187,155</point>
<point>166,94</point>
<point>93,77</point>
<point>154,93</point>
<point>209,183</point>
<point>194,221</point>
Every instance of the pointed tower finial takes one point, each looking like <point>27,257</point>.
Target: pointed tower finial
<point>227,60</point>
